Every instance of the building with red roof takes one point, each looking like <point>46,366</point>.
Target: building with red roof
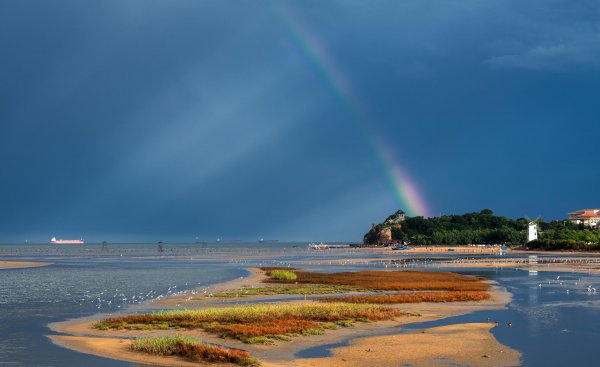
<point>587,217</point>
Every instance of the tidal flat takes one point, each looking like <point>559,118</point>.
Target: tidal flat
<point>21,264</point>
<point>274,333</point>
<point>552,315</point>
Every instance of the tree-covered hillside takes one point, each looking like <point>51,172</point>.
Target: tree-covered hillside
<point>481,228</point>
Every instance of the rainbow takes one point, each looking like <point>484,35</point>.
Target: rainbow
<point>404,188</point>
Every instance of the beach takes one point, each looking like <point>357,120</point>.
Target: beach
<point>461,344</point>
<point>473,340</point>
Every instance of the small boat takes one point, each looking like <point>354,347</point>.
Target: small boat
<point>56,241</point>
<point>318,246</point>
<point>401,247</point>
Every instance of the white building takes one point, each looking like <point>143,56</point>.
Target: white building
<point>532,234</point>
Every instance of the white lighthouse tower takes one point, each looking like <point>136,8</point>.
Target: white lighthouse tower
<point>532,234</point>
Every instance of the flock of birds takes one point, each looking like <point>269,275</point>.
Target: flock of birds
<point>578,284</point>
<point>118,299</point>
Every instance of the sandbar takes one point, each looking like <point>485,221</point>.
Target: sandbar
<point>451,345</point>
<point>473,340</point>
<point>116,348</point>
<point>21,264</point>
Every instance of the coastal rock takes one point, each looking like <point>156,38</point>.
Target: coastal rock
<point>396,218</point>
<point>380,233</point>
<point>383,233</point>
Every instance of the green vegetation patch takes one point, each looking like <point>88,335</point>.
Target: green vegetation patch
<point>484,228</point>
<point>292,289</point>
<point>193,350</point>
<point>280,274</point>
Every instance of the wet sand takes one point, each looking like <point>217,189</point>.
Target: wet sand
<point>21,264</point>
<point>120,349</point>
<point>452,345</point>
<point>471,341</point>
<point>459,344</point>
<point>474,340</point>
<point>204,296</point>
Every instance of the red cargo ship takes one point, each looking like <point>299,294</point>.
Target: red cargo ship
<point>54,241</point>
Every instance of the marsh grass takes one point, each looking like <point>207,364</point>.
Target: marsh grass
<point>259,323</point>
<point>291,289</point>
<point>401,280</point>
<point>450,296</point>
<point>365,281</point>
<point>280,274</point>
<point>193,350</point>
<point>161,345</point>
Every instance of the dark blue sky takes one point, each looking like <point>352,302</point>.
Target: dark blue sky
<point>148,120</point>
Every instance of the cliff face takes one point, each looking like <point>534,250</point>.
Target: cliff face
<point>380,233</point>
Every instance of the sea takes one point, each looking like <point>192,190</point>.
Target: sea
<point>553,318</point>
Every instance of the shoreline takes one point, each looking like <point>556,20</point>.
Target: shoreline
<point>571,264</point>
<point>464,249</point>
<point>468,344</point>
<point>22,264</point>
<point>115,344</point>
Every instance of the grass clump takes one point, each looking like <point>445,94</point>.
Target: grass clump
<point>259,340</point>
<point>192,349</point>
<point>285,275</point>
<point>451,296</point>
<point>160,345</point>
<point>258,323</point>
<point>346,323</point>
<point>291,289</point>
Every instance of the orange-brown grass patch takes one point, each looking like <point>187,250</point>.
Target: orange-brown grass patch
<point>193,350</point>
<point>450,296</point>
<point>257,323</point>
<point>268,327</point>
<point>401,280</point>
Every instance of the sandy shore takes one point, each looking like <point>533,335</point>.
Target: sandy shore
<point>452,345</point>
<point>450,249</point>
<point>472,340</point>
<point>184,300</point>
<point>120,349</point>
<point>459,344</point>
<point>21,264</point>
